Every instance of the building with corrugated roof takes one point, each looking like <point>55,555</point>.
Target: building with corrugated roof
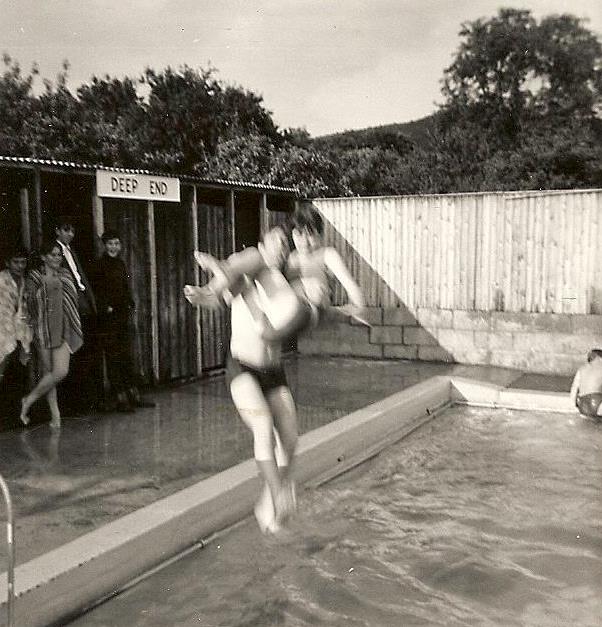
<point>161,218</point>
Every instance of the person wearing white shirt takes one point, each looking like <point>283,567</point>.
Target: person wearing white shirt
<point>65,232</point>
<point>82,390</point>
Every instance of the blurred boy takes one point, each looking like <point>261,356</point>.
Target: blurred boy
<point>311,262</point>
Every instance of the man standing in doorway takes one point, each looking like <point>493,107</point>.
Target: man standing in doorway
<point>83,385</point>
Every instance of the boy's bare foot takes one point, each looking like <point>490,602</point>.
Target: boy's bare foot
<point>202,297</point>
<point>55,423</point>
<point>264,512</point>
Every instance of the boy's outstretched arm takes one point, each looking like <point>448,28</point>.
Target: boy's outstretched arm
<point>336,265</point>
<point>298,320</point>
<point>229,272</point>
<point>357,302</point>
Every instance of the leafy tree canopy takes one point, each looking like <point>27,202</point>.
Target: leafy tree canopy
<point>510,69</point>
<point>522,100</point>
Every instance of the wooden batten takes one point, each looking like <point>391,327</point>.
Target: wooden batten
<point>25,220</point>
<point>37,233</point>
<point>232,214</point>
<point>194,218</point>
<point>264,217</point>
<point>153,290</point>
<point>98,220</point>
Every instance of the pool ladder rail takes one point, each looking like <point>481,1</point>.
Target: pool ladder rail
<point>11,553</point>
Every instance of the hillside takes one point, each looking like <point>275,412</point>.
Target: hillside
<point>399,136</point>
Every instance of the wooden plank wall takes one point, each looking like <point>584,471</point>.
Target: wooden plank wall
<point>215,236</point>
<point>129,219</point>
<point>514,251</point>
<point>177,329</point>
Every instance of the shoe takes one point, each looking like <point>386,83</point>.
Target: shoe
<point>125,408</point>
<point>143,403</point>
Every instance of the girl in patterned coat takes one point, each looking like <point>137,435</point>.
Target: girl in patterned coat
<point>52,300</point>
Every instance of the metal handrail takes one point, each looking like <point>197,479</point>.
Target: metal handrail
<point>11,553</point>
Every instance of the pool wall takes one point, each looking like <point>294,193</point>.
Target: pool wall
<point>547,343</point>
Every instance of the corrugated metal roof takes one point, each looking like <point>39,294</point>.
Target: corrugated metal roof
<point>71,165</point>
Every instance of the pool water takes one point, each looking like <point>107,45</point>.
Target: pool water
<point>481,517</point>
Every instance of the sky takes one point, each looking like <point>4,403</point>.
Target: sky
<point>323,65</point>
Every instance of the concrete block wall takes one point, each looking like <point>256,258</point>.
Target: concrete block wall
<point>532,342</point>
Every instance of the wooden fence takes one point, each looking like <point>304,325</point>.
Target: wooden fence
<point>535,251</point>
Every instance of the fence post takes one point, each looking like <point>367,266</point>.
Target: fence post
<point>11,553</point>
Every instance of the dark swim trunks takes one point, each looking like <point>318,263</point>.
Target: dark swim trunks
<point>588,404</point>
<point>268,378</point>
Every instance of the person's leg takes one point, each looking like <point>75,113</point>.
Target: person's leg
<point>28,400</point>
<point>56,367</point>
<point>210,264</point>
<point>3,363</point>
<point>129,377</point>
<point>60,367</point>
<point>255,413</point>
<point>118,371</point>
<point>284,411</point>
<point>55,414</point>
<point>284,414</point>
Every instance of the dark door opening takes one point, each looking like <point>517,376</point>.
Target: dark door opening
<point>246,219</point>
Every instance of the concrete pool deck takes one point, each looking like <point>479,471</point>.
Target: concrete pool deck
<point>193,436</point>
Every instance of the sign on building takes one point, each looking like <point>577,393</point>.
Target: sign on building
<point>137,186</point>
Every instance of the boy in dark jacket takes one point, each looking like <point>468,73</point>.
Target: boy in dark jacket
<point>115,304</point>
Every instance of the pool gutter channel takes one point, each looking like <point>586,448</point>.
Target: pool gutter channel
<point>71,579</point>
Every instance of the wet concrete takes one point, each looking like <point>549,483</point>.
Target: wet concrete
<point>98,468</point>
<point>543,382</point>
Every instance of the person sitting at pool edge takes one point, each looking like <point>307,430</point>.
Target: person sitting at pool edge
<point>586,390</point>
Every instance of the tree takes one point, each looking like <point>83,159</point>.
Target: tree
<point>241,158</point>
<point>510,71</point>
<point>17,106</point>
<point>113,122</point>
<point>181,117</point>
<point>312,171</point>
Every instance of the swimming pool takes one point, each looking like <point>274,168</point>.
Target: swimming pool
<point>480,517</point>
